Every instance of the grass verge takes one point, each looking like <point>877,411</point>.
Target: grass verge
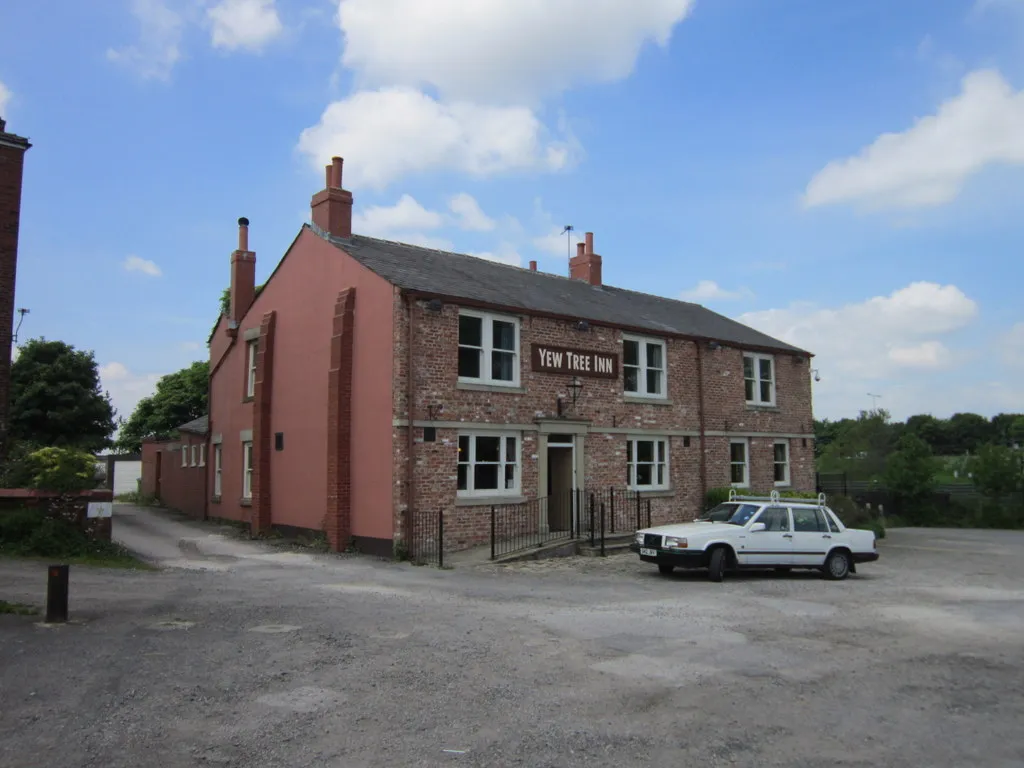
<point>18,609</point>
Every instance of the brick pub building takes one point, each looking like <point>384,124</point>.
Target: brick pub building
<point>368,378</point>
<point>12,163</point>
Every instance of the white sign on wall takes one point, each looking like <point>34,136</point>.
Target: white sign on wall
<point>100,509</point>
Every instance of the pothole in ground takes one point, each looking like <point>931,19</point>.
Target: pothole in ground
<point>171,624</point>
<point>275,629</point>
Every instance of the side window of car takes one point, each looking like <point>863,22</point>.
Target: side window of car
<point>807,520</point>
<point>832,525</point>
<point>775,519</point>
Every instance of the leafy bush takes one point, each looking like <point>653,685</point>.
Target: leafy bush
<point>33,533</point>
<point>16,471</point>
<point>716,496</point>
<point>64,470</point>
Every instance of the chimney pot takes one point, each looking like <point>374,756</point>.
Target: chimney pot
<point>336,163</point>
<point>533,266</point>
<point>243,234</point>
<point>327,176</point>
<point>590,242</point>
<point>580,249</point>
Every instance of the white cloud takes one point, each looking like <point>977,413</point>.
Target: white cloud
<point>249,24</point>
<point>138,264</point>
<point>1012,346</point>
<point>5,98</point>
<point>125,387</point>
<point>709,290</point>
<point>392,132</point>
<point>928,164</point>
<point>558,242</point>
<point>406,214</point>
<point>158,48</point>
<point>470,216</point>
<point>895,338</point>
<point>190,346</point>
<point>510,51</point>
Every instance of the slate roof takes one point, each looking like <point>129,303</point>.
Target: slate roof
<point>459,276</point>
<point>198,426</point>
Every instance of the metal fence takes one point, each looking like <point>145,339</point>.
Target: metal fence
<point>593,515</point>
<point>426,544</point>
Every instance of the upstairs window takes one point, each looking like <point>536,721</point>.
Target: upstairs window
<point>643,367</point>
<point>759,378</point>
<point>250,370</point>
<point>488,349</point>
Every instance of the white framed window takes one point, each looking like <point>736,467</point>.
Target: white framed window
<point>759,378</point>
<point>195,455</point>
<point>739,463</point>
<point>250,368</point>
<point>488,464</point>
<point>247,469</point>
<point>488,349</point>
<point>781,462</point>
<point>643,367</point>
<point>184,455</point>
<point>216,470</point>
<point>202,454</point>
<point>647,464</point>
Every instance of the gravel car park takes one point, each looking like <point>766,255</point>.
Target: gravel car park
<point>236,653</point>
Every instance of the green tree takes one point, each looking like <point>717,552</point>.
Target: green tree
<point>968,432</point>
<point>1017,431</point>
<point>179,398</point>
<point>997,471</point>
<point>933,431</point>
<point>860,446</point>
<point>1004,428</point>
<point>56,398</point>
<point>910,471</point>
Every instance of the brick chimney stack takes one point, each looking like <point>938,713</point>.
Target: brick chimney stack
<point>586,265</point>
<point>243,274</point>
<point>332,206</point>
<point>12,163</point>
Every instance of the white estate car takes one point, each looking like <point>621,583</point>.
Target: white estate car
<point>759,532</point>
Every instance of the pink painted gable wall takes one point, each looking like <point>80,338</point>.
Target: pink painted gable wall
<point>303,292</point>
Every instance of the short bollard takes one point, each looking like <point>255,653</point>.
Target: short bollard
<point>57,593</point>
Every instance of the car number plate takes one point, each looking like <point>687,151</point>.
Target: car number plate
<point>649,552</point>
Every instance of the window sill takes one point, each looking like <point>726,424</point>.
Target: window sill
<point>661,493</point>
<point>248,398</point>
<point>215,499</point>
<point>470,387</point>
<point>487,501</point>
<point>245,502</point>
<point>767,408</point>
<point>639,400</point>
<point>784,485</point>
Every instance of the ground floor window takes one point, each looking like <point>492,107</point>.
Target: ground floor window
<point>216,470</point>
<point>739,463</point>
<point>184,455</point>
<point>247,469</point>
<point>647,464</point>
<point>488,464</point>
<point>781,461</point>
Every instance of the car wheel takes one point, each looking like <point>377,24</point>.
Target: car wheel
<point>716,566</point>
<point>837,567</point>
<point>665,569</point>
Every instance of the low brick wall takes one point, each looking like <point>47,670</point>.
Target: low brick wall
<point>72,507</point>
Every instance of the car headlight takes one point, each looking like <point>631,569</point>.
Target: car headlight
<point>671,542</point>
<point>639,538</point>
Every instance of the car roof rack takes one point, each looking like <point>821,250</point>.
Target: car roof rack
<point>775,498</point>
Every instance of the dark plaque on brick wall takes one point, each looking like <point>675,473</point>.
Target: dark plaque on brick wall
<point>574,362</point>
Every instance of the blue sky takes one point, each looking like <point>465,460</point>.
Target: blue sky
<point>845,176</point>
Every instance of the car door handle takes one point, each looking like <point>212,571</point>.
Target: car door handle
<point>827,536</point>
<point>787,535</point>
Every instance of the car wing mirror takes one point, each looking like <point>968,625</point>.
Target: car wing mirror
<point>758,527</point>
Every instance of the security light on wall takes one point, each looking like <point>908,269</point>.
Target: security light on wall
<point>817,376</point>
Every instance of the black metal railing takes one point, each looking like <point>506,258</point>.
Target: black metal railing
<point>426,544</point>
<point>594,515</point>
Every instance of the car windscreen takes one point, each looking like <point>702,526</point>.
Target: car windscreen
<point>730,512</point>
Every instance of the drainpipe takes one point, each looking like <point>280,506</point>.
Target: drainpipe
<point>700,417</point>
<point>410,481</point>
